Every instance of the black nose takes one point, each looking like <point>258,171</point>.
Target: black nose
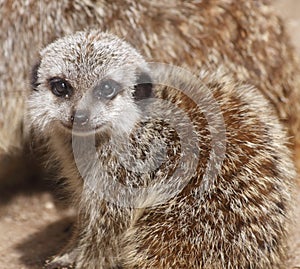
<point>80,117</point>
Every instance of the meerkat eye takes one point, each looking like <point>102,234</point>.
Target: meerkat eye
<point>60,87</point>
<point>107,89</point>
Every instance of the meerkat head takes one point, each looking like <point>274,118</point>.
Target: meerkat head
<point>87,82</point>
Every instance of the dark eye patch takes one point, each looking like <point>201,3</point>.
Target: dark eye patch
<point>107,89</point>
<point>34,76</point>
<point>60,87</point>
<point>143,88</point>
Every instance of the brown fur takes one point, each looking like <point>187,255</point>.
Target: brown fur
<point>232,217</point>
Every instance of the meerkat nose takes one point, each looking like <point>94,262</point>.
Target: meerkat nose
<point>80,117</point>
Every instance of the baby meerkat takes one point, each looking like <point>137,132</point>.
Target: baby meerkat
<point>166,171</point>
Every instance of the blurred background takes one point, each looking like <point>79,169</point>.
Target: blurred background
<point>290,11</point>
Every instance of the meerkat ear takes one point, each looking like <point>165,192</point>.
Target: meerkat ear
<point>143,87</point>
<point>34,76</point>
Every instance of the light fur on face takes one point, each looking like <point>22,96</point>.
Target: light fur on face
<point>70,58</point>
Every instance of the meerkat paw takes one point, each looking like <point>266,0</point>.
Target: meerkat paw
<point>58,265</point>
<point>66,261</point>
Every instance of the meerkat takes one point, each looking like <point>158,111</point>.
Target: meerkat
<point>166,170</point>
<point>246,37</point>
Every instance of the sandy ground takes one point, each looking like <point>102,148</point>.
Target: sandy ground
<point>33,225</point>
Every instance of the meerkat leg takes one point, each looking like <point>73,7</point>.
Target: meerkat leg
<point>97,239</point>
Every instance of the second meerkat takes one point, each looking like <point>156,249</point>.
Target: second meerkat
<point>121,140</point>
<point>245,36</point>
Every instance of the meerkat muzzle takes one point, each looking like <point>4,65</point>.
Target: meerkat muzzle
<point>80,118</point>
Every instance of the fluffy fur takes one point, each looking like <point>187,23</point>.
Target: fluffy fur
<point>228,212</point>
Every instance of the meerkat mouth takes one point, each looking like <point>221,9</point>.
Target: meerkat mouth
<point>83,130</point>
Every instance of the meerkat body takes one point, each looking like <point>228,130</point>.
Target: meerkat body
<point>244,36</point>
<point>120,132</point>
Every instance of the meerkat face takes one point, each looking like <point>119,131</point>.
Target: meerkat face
<point>87,82</point>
